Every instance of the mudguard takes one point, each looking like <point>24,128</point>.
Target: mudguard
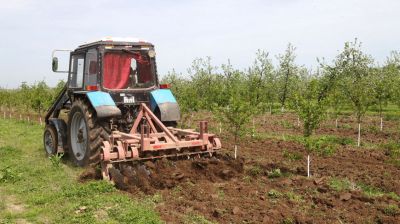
<point>103,104</point>
<point>61,128</point>
<point>166,103</point>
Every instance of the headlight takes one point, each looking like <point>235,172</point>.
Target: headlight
<point>152,53</point>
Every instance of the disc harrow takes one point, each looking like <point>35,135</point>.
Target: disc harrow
<point>150,139</point>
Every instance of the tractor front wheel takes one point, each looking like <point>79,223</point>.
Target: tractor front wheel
<point>50,140</point>
<point>85,134</point>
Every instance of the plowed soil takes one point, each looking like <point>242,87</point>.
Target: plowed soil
<point>265,185</point>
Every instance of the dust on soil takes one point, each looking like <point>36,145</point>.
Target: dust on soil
<point>265,186</point>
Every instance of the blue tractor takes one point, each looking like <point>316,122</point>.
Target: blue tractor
<point>117,110</point>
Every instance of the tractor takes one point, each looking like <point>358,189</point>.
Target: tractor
<point>116,112</point>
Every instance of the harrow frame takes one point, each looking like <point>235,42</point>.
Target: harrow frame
<point>155,141</point>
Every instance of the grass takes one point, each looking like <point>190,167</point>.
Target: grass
<point>275,173</point>
<point>290,195</point>
<point>255,171</point>
<point>338,184</point>
<point>292,156</point>
<point>391,210</point>
<point>36,189</point>
<point>193,218</point>
<point>324,145</point>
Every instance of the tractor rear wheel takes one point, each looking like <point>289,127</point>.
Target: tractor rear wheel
<point>85,134</point>
<point>50,140</point>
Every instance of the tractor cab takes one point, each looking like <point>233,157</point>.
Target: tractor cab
<point>113,65</point>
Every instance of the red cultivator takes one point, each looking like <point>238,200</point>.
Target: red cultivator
<point>155,141</point>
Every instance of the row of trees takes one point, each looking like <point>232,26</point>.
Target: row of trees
<point>352,80</point>
<point>37,97</point>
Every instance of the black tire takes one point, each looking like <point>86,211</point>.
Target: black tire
<point>84,146</point>
<point>50,140</point>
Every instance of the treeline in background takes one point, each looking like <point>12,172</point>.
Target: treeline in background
<point>352,81</point>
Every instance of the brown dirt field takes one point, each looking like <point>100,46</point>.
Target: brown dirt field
<point>265,185</point>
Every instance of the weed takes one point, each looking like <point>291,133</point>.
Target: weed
<point>294,197</point>
<point>90,188</point>
<point>286,124</point>
<point>346,126</point>
<point>394,196</point>
<point>274,194</point>
<point>371,191</point>
<point>255,170</point>
<point>275,173</point>
<point>156,198</point>
<point>392,149</point>
<point>325,145</point>
<point>56,159</point>
<point>176,190</point>
<point>9,175</point>
<point>391,210</point>
<point>196,219</point>
<point>340,184</point>
<point>221,194</point>
<point>391,117</point>
<point>288,221</point>
<point>373,129</point>
<point>292,156</point>
<point>247,179</point>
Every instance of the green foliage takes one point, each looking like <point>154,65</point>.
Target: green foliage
<point>292,156</point>
<point>255,170</point>
<point>238,111</point>
<point>287,75</point>
<point>9,175</point>
<point>56,159</point>
<point>392,149</point>
<point>37,97</point>
<point>392,210</point>
<point>275,173</point>
<point>274,194</point>
<point>354,69</point>
<point>53,195</point>
<point>309,106</point>
<point>340,184</point>
<point>193,218</point>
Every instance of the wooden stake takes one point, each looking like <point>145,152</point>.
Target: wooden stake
<point>235,151</point>
<point>308,166</point>
<point>359,135</point>
<point>381,123</point>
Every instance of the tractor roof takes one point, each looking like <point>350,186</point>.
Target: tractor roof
<point>117,41</point>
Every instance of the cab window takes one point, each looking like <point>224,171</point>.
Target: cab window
<point>76,71</point>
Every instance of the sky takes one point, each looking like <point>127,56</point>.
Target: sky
<point>184,30</point>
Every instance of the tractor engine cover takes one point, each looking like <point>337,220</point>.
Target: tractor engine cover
<point>166,103</point>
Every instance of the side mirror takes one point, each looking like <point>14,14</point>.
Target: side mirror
<point>54,64</point>
<point>62,65</point>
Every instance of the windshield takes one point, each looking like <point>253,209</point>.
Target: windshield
<point>128,70</point>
